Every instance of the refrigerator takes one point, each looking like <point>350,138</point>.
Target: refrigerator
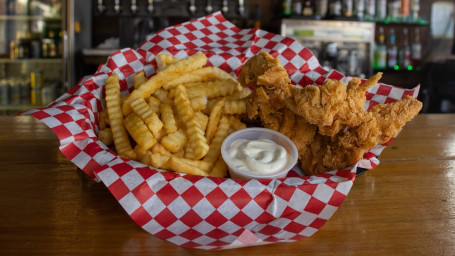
<point>37,46</point>
<point>344,45</point>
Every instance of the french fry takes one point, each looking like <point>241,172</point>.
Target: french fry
<point>197,140</point>
<point>219,169</point>
<point>158,160</point>
<point>105,136</point>
<point>198,75</point>
<point>145,159</point>
<point>214,89</point>
<point>166,75</point>
<point>195,134</point>
<point>102,119</point>
<point>215,145</point>
<point>174,142</point>
<point>139,78</point>
<point>211,103</point>
<point>162,96</point>
<point>201,164</point>
<point>154,104</point>
<point>189,153</point>
<point>139,131</point>
<point>235,107</point>
<point>242,93</point>
<point>167,116</point>
<point>107,120</point>
<point>235,123</point>
<point>149,117</point>
<point>199,103</point>
<point>179,165</point>
<point>140,151</point>
<point>119,133</point>
<point>178,118</point>
<point>183,104</point>
<point>214,118</point>
<point>163,60</point>
<point>158,148</point>
<point>181,153</point>
<point>201,119</point>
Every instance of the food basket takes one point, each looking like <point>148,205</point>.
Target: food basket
<point>206,212</point>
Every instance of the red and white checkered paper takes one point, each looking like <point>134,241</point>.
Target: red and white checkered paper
<point>206,212</point>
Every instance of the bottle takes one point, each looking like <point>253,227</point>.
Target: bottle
<point>380,52</point>
<point>359,9</point>
<point>404,55</point>
<point>414,10</point>
<point>348,8</point>
<point>392,51</point>
<point>19,51</point>
<point>335,8</point>
<point>321,9</point>
<point>308,9</point>
<point>12,49</point>
<point>393,12</point>
<point>52,47</point>
<point>370,9</point>
<point>416,49</point>
<point>404,10</point>
<point>381,9</point>
<point>286,7</point>
<point>296,7</point>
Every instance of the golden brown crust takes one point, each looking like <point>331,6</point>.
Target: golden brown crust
<point>328,123</point>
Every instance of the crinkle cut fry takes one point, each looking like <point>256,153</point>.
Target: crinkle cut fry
<point>167,74</point>
<point>119,133</point>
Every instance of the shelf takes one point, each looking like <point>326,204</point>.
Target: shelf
<point>43,61</point>
<point>28,17</point>
<point>404,23</point>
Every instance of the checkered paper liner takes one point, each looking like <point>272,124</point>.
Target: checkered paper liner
<point>206,212</point>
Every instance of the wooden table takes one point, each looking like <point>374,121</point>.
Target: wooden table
<point>406,206</point>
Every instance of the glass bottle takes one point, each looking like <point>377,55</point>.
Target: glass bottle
<point>308,9</point>
<point>381,9</point>
<point>286,7</point>
<point>414,10</point>
<point>19,51</point>
<point>348,8</point>
<point>335,8</point>
<point>321,8</point>
<point>370,9</point>
<point>297,7</point>
<point>359,9</point>
<point>393,10</point>
<point>416,49</point>
<point>380,53</point>
<point>404,55</point>
<point>404,10</point>
<point>392,50</point>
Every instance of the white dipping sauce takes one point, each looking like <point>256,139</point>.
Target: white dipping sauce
<point>261,156</point>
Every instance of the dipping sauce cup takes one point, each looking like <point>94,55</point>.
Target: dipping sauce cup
<point>258,134</point>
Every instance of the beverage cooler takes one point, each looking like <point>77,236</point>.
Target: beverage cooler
<point>344,45</point>
<point>35,52</point>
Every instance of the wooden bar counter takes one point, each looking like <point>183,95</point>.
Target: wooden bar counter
<point>406,206</point>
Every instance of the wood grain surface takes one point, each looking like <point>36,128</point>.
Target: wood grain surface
<point>406,206</point>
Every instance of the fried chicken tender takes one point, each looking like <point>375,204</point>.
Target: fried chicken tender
<point>328,123</point>
<point>266,71</point>
<point>347,148</point>
<point>333,106</point>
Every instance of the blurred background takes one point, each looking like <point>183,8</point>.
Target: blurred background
<point>47,46</point>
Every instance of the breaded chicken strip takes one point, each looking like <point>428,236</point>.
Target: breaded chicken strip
<point>347,148</point>
<point>328,123</point>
